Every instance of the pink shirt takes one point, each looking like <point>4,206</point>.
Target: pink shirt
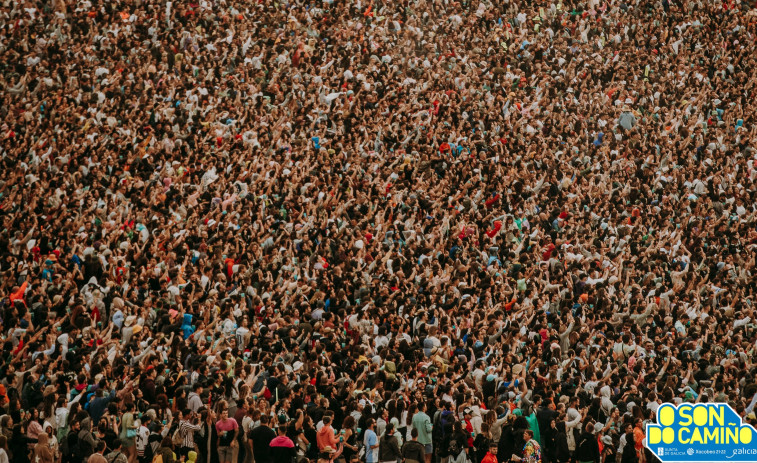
<point>226,425</point>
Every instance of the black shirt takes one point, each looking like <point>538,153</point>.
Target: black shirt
<point>261,443</point>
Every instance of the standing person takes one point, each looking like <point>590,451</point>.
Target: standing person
<point>349,437</point>
<point>389,449</point>
<point>282,447</point>
<point>371,442</point>
<point>42,451</point>
<point>143,436</point>
<point>188,425</point>
<point>166,451</point>
<point>456,444</point>
<point>227,429</point>
<point>86,440</point>
<point>325,436</point>
<point>194,401</point>
<point>98,456</point>
<point>422,422</point>
<point>558,444</point>
<point>71,447</point>
<point>532,449</point>
<point>481,443</point>
<point>128,433</point>
<point>261,441</point>
<point>491,454</point>
<point>117,455</point>
<point>209,440</point>
<point>413,451</point>
<point>248,422</point>
<point>638,436</point>
<point>544,415</point>
<point>627,446</point>
<point>587,448</point>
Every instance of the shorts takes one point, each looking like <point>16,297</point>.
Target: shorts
<point>429,449</point>
<point>225,453</point>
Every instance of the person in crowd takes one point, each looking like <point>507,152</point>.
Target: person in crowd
<point>413,451</point>
<point>357,215</point>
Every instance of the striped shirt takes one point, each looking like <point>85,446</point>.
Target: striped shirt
<point>187,433</point>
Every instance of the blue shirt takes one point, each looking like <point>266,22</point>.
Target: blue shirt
<point>371,439</point>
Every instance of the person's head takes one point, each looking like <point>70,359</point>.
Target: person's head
<point>100,446</point>
<point>528,435</point>
<point>349,422</point>
<point>167,442</point>
<point>414,434</point>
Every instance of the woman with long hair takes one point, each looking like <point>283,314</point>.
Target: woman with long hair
<point>455,445</point>
<point>408,421</point>
<point>349,437</point>
<point>163,412</point>
<point>128,433</point>
<point>33,426</point>
<point>19,445</point>
<point>482,442</point>
<point>166,451</point>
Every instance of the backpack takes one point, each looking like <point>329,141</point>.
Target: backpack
<point>148,452</point>
<point>453,448</point>
<point>114,458</point>
<point>177,438</point>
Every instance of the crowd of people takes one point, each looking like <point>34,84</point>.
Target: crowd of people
<point>419,231</point>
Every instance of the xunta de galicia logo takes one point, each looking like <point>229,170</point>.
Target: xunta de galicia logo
<point>701,433</point>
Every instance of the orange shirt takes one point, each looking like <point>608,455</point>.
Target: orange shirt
<point>19,295</point>
<point>326,437</point>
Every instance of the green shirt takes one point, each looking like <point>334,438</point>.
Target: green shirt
<point>422,423</point>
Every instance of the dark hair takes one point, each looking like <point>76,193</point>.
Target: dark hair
<point>167,442</point>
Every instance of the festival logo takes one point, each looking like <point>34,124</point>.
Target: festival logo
<point>701,433</point>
